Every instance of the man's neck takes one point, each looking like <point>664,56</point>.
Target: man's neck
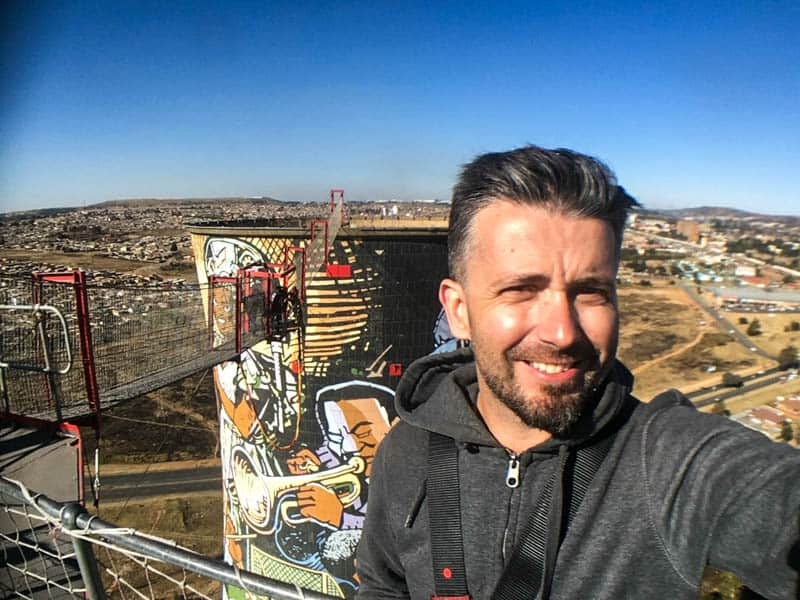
<point>506,427</point>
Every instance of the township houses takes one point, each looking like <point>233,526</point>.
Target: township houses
<point>770,420</point>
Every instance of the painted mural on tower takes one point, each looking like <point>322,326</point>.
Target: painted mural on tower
<point>303,409</point>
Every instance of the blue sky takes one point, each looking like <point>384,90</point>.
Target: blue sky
<point>694,103</point>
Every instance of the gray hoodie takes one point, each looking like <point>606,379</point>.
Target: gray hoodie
<point>678,490</point>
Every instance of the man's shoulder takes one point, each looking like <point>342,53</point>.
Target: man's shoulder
<point>402,457</point>
<point>671,419</point>
<point>404,438</point>
<point>667,401</point>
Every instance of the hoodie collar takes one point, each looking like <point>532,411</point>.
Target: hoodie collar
<point>438,391</point>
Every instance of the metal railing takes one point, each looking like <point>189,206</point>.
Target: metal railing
<point>50,549</point>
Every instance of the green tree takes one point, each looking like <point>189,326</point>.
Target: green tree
<point>754,328</point>
<point>731,380</point>
<point>788,357</point>
<point>719,408</point>
<point>787,431</point>
<point>720,585</point>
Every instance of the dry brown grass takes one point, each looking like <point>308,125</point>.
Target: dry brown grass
<point>668,341</point>
<point>193,521</point>
<point>175,423</point>
<point>774,336</point>
<point>94,262</point>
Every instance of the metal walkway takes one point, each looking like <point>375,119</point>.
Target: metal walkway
<point>71,347</point>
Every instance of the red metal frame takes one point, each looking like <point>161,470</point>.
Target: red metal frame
<point>337,194</point>
<point>334,195</point>
<point>243,282</point>
<point>265,272</point>
<point>75,431</point>
<point>77,279</point>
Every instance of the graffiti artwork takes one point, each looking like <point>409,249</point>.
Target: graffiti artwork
<point>301,415</point>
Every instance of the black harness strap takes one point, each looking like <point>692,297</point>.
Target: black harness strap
<point>444,514</point>
<point>522,577</point>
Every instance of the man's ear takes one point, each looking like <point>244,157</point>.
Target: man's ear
<point>451,295</point>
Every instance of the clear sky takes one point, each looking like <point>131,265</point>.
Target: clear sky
<point>691,103</point>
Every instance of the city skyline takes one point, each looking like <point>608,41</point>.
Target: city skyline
<point>690,105</point>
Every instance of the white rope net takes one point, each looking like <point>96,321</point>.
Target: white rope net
<point>39,560</point>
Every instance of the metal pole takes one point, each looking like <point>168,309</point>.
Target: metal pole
<point>83,552</point>
<point>75,517</point>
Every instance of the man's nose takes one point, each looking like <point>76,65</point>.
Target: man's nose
<point>558,320</point>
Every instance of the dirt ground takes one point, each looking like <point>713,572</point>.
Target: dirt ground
<point>668,341</point>
<point>95,262</point>
<point>775,328</point>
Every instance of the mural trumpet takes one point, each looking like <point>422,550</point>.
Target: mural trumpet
<point>260,495</point>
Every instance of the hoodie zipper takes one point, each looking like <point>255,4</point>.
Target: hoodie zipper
<point>512,481</point>
<point>512,473</point>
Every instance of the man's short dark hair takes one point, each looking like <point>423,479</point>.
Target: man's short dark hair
<point>567,182</point>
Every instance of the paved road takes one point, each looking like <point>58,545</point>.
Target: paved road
<point>158,483</point>
<point>723,322</point>
<point>718,393</point>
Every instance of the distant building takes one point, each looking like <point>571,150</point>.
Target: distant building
<point>759,282</point>
<point>744,271</point>
<point>790,406</point>
<point>767,413</point>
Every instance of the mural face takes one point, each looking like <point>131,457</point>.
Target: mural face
<point>355,427</point>
<point>304,408</point>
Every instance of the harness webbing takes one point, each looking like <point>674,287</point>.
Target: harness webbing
<point>444,514</point>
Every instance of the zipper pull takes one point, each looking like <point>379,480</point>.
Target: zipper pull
<point>512,475</point>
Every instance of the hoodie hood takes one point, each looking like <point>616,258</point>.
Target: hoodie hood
<point>438,393</point>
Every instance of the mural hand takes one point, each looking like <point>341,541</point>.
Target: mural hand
<point>304,461</point>
<point>321,504</point>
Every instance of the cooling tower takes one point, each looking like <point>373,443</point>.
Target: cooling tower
<point>325,321</point>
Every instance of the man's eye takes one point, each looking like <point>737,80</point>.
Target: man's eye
<point>519,290</point>
<point>593,295</point>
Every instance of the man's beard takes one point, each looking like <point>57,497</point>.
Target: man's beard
<point>556,409</point>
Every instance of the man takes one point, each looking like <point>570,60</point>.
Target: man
<point>537,402</point>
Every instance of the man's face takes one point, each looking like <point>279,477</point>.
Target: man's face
<point>538,301</point>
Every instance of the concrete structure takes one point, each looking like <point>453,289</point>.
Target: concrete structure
<point>303,409</point>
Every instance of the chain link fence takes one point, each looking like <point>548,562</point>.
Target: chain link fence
<point>50,549</point>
